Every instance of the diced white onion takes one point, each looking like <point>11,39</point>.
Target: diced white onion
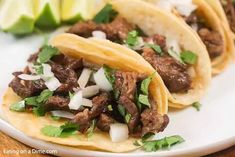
<point>102,81</point>
<point>64,114</point>
<point>165,4</point>
<point>194,27</point>
<point>172,43</point>
<point>76,101</point>
<point>87,102</point>
<point>29,77</point>
<point>84,77</point>
<point>52,83</point>
<point>118,132</point>
<point>47,71</point>
<point>90,91</point>
<point>140,43</point>
<point>99,34</point>
<point>185,7</point>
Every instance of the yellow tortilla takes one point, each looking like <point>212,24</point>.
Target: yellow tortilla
<point>77,47</point>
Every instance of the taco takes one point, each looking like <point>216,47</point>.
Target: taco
<point>160,38</point>
<point>214,34</point>
<point>82,94</point>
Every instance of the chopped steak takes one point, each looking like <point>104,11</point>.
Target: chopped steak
<point>68,62</point>
<point>116,30</point>
<point>157,39</point>
<point>213,41</point>
<point>33,58</point>
<point>191,19</point>
<point>104,122</point>
<point>83,119</point>
<point>229,9</point>
<point>56,103</point>
<point>173,73</point>
<point>152,121</point>
<point>99,104</point>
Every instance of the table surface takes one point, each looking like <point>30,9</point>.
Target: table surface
<point>8,143</point>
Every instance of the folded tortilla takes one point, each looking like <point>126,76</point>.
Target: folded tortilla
<point>77,47</point>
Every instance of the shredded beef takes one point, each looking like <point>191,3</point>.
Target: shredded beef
<point>116,30</point>
<point>99,104</point>
<point>173,73</point>
<point>104,122</point>
<point>153,121</point>
<point>213,41</point>
<point>56,103</point>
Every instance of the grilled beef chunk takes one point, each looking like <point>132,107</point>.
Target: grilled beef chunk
<point>229,9</point>
<point>191,19</point>
<point>104,122</point>
<point>99,104</point>
<point>153,121</point>
<point>68,62</point>
<point>82,119</point>
<point>116,30</point>
<point>173,73</point>
<point>157,39</point>
<point>56,103</point>
<point>213,41</point>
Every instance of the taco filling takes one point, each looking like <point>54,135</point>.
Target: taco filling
<point>229,9</point>
<point>86,94</point>
<point>172,63</point>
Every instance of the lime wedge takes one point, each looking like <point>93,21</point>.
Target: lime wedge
<point>75,10</point>
<point>16,16</point>
<point>47,13</point>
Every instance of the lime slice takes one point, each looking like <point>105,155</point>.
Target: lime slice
<point>47,13</point>
<point>75,10</point>
<point>17,16</point>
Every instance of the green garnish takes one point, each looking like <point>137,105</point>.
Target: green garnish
<point>105,15</point>
<point>109,74</point>
<point>110,108</point>
<point>121,110</point>
<point>61,131</point>
<point>127,117</point>
<point>38,69</point>
<point>19,106</point>
<point>55,117</point>
<point>39,110</point>
<point>147,136</point>
<point>145,84</point>
<point>91,129</point>
<point>132,38</point>
<point>175,55</point>
<point>197,106</point>
<point>31,101</point>
<point>71,95</point>
<point>155,47</point>
<point>47,53</point>
<point>143,99</point>
<point>43,97</point>
<point>188,57</point>
<point>164,143</point>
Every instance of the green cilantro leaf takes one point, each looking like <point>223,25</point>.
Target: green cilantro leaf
<point>188,57</point>
<point>71,95</point>
<point>121,110</point>
<point>197,106</point>
<point>155,47</point>
<point>147,136</point>
<point>127,117</point>
<point>19,106</point>
<point>31,101</point>
<point>47,53</point>
<point>144,100</point>
<point>175,55</point>
<point>110,108</point>
<point>105,15</point>
<point>55,117</point>
<point>39,110</point>
<point>91,129</point>
<point>38,69</point>
<point>69,126</point>
<point>132,38</point>
<point>44,95</point>
<point>51,131</point>
<point>145,84</point>
<point>109,74</point>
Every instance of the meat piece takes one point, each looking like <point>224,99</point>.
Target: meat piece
<point>173,73</point>
<point>19,88</point>
<point>104,122</point>
<point>125,84</point>
<point>230,12</point>
<point>157,39</point>
<point>153,121</point>
<point>68,62</point>
<point>213,41</point>
<point>99,104</point>
<point>191,19</point>
<point>82,119</point>
<point>35,87</point>
<point>33,58</point>
<point>56,103</point>
<point>116,30</point>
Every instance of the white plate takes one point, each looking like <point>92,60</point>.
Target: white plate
<point>212,129</point>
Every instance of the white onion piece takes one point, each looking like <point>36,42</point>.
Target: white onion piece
<point>76,101</point>
<point>90,91</point>
<point>63,114</point>
<point>173,43</point>
<point>29,77</point>
<point>87,102</point>
<point>118,132</point>
<point>84,77</point>
<point>99,34</point>
<point>194,27</point>
<point>140,43</point>
<point>102,81</point>
<point>52,83</point>
<point>185,7</point>
<point>47,71</point>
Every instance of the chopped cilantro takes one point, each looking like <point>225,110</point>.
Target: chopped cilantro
<point>51,131</point>
<point>71,95</point>
<point>31,101</point>
<point>175,55</point>
<point>145,84</point>
<point>147,136</point>
<point>47,53</point>
<point>109,74</point>
<point>91,129</point>
<point>127,117</point>
<point>38,69</point>
<point>164,143</point>
<point>132,38</point>
<point>19,106</point>
<point>144,100</point>
<point>188,57</point>
<point>55,117</point>
<point>155,47</point>
<point>110,108</point>
<point>121,110</point>
<point>105,15</point>
<point>39,110</point>
<point>44,95</point>
<point>197,106</point>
